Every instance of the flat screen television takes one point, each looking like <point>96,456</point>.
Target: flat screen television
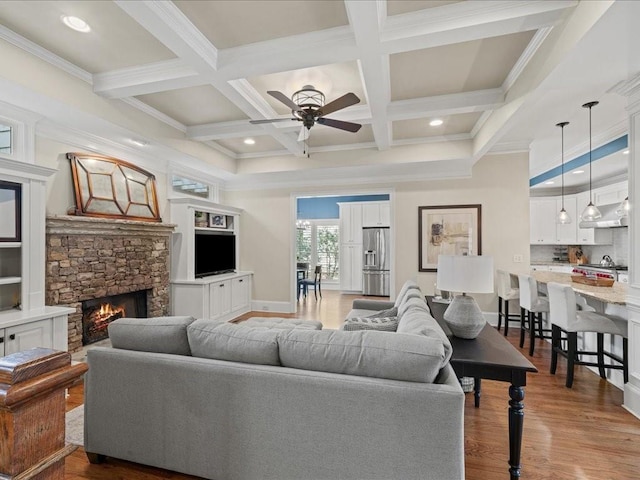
<point>215,254</point>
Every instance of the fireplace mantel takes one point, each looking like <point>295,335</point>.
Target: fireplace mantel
<point>76,225</point>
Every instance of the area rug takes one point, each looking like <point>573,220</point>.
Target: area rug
<point>74,426</point>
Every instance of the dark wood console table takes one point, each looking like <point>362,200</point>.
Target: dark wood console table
<point>492,357</point>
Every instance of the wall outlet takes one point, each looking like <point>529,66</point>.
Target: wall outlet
<point>518,259</point>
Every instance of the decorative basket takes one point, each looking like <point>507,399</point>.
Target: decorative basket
<point>594,281</point>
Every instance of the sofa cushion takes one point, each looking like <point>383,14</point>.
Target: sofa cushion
<point>233,342</point>
<point>387,324</point>
<point>158,334</point>
<point>417,321</point>
<point>413,301</point>
<point>282,323</point>
<point>408,285</point>
<point>367,353</point>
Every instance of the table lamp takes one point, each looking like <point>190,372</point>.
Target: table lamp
<point>465,274</point>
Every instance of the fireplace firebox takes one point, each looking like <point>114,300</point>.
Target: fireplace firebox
<point>98,313</point>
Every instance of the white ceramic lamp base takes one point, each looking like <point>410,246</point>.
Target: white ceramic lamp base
<point>464,318</point>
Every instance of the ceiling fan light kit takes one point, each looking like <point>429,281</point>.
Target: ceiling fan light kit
<point>591,212</point>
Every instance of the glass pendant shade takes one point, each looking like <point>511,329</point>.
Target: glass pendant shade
<point>591,213</point>
<point>564,217</point>
<point>623,208</point>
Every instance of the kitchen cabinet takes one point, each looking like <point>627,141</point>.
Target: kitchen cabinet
<point>350,223</point>
<point>567,234</point>
<point>376,214</point>
<point>351,267</point>
<point>611,194</point>
<point>543,220</point>
<point>544,229</point>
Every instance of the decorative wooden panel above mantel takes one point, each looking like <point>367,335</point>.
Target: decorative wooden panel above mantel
<point>112,188</point>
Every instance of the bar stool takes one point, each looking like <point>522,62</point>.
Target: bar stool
<point>506,292</point>
<point>567,319</point>
<point>534,306</point>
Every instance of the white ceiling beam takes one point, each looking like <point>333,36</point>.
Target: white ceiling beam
<point>453,104</point>
<point>333,45</point>
<point>366,19</point>
<point>144,79</point>
<point>170,26</point>
<point>466,21</point>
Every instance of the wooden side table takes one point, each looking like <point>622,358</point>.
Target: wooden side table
<point>32,413</point>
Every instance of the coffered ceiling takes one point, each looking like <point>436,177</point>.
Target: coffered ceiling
<point>204,67</point>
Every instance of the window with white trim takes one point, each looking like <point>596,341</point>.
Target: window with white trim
<point>5,139</point>
<point>318,243</point>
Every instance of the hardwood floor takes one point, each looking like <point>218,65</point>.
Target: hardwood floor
<point>581,433</point>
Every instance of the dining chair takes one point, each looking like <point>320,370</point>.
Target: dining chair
<point>506,292</point>
<point>568,320</point>
<point>533,306</point>
<point>305,283</point>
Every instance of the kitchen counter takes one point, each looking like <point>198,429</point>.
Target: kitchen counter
<point>616,294</point>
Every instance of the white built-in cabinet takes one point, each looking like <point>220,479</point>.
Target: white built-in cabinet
<point>25,321</point>
<point>217,297</point>
<point>351,267</point>
<point>350,222</point>
<point>376,214</point>
<point>544,230</point>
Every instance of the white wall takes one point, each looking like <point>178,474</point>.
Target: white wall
<point>500,183</point>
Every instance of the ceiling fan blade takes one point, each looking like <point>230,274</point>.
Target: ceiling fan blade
<point>344,101</point>
<point>304,134</point>
<point>271,120</point>
<point>284,99</point>
<point>348,126</point>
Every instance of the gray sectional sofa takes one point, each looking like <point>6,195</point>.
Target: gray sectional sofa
<point>231,402</point>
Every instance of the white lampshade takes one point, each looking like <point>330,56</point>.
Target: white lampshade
<point>465,273</point>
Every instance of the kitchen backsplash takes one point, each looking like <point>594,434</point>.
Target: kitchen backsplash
<point>618,251</point>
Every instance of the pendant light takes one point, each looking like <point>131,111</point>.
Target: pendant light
<point>563,217</point>
<point>591,212</point>
<point>623,208</point>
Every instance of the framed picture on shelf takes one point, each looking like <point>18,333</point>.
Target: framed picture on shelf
<point>10,211</point>
<point>447,230</point>
<point>217,221</point>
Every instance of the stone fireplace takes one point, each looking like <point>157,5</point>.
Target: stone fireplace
<point>98,313</point>
<point>88,258</point>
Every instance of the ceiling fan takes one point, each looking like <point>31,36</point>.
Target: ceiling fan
<point>308,107</point>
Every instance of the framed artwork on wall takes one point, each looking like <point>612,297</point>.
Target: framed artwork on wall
<point>448,230</point>
<point>10,211</point>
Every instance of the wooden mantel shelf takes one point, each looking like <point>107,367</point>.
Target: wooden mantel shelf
<point>32,413</point>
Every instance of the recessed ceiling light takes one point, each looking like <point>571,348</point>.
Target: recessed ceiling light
<point>549,182</point>
<point>576,172</point>
<point>249,141</point>
<point>625,152</point>
<point>75,23</point>
<point>436,122</point>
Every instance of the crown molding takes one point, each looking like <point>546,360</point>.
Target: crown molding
<point>509,147</point>
<point>44,54</point>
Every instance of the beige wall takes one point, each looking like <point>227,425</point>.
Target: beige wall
<point>500,183</point>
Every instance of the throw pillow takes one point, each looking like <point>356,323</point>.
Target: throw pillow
<point>391,312</point>
<point>386,324</point>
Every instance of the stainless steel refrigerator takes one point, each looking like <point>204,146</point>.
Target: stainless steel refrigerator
<point>376,261</point>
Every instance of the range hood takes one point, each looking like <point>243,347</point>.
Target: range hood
<point>609,219</point>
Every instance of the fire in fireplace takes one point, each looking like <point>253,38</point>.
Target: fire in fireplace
<point>98,313</point>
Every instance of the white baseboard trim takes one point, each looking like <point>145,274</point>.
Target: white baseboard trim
<point>632,399</point>
<point>269,306</point>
